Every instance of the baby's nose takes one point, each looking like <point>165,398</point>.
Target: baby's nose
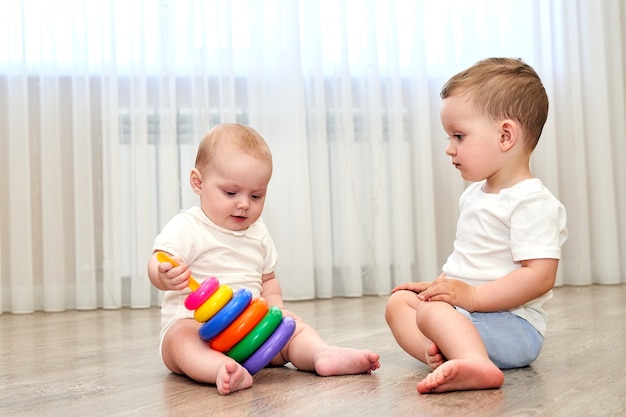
<point>243,203</point>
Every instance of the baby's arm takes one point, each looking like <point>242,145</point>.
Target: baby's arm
<point>165,276</point>
<point>271,290</point>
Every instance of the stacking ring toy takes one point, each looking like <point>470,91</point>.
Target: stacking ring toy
<point>245,329</point>
<point>241,326</point>
<point>226,315</point>
<point>199,296</point>
<point>271,347</point>
<point>261,332</point>
<point>215,303</point>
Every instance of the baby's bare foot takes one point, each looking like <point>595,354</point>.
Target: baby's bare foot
<point>434,357</point>
<point>232,377</point>
<point>346,361</point>
<point>462,374</point>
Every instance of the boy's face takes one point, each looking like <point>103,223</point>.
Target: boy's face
<point>232,189</point>
<point>473,139</point>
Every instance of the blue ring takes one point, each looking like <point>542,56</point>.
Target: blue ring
<point>272,346</point>
<point>226,315</point>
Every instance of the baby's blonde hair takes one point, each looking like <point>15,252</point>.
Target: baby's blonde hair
<point>504,88</point>
<point>244,137</point>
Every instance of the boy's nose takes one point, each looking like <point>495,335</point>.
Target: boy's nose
<point>450,149</point>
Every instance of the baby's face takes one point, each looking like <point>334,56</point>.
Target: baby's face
<point>234,188</point>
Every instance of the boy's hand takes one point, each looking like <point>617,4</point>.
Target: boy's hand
<point>174,277</point>
<point>452,291</point>
<point>416,287</point>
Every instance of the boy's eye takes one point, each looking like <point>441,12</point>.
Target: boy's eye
<point>255,196</point>
<point>458,136</point>
<point>229,193</point>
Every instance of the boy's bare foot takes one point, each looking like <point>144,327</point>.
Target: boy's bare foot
<point>346,361</point>
<point>232,377</point>
<point>434,357</point>
<point>462,374</point>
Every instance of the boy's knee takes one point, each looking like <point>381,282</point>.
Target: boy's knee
<point>427,310</point>
<point>390,307</point>
<point>396,302</point>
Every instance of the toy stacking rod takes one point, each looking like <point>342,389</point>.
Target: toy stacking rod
<point>245,329</point>
<point>163,257</point>
<point>207,298</point>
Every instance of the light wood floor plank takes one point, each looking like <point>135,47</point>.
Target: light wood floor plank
<point>94,363</point>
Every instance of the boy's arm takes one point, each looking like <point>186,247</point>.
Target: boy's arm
<point>271,290</point>
<point>534,278</point>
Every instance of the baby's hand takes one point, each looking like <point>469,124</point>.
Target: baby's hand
<point>174,277</point>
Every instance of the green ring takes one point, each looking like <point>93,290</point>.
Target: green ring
<point>259,334</point>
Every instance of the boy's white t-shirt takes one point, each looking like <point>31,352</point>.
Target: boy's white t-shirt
<point>236,258</point>
<point>495,232</point>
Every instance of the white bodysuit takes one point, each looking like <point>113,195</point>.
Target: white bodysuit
<point>236,258</point>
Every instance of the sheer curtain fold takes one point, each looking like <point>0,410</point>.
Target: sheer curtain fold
<point>102,108</point>
<point>19,262</point>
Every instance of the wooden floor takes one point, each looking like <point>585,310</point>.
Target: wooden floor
<point>98,363</point>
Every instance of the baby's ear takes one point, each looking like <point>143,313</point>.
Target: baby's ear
<point>195,179</point>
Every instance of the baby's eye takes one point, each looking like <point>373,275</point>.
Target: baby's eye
<point>229,193</point>
<point>458,136</point>
<point>256,196</point>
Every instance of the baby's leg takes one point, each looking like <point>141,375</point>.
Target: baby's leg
<point>232,377</point>
<point>186,354</point>
<point>400,313</point>
<point>307,351</point>
<point>469,366</point>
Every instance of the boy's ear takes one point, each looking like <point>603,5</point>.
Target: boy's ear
<point>509,135</point>
<point>195,179</point>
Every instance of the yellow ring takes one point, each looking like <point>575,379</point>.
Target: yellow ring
<point>214,304</point>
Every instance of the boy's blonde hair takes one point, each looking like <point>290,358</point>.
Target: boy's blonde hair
<point>244,137</point>
<point>504,88</point>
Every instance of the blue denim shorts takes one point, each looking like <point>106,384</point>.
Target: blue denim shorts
<point>511,341</point>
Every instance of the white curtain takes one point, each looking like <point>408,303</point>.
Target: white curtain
<point>102,105</point>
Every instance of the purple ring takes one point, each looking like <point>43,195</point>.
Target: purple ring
<point>270,348</point>
<point>227,314</point>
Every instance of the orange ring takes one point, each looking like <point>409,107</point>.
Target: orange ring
<point>214,304</point>
<point>242,325</point>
